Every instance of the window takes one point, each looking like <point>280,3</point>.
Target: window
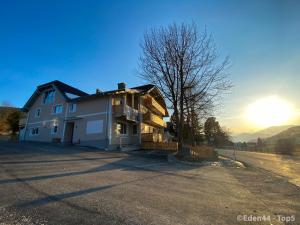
<point>37,113</point>
<point>34,131</point>
<point>57,109</point>
<point>49,97</point>
<point>121,128</point>
<point>72,108</point>
<point>54,129</point>
<point>118,101</point>
<point>94,127</point>
<point>136,101</point>
<point>134,129</point>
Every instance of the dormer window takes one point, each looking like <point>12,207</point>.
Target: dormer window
<point>49,97</point>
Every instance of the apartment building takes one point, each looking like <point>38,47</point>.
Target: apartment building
<point>57,112</point>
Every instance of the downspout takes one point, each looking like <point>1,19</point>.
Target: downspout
<point>26,125</point>
<point>108,121</point>
<point>107,133</point>
<point>64,129</point>
<point>140,119</point>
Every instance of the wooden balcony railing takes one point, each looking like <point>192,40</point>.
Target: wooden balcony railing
<point>126,111</point>
<point>154,105</point>
<point>153,119</point>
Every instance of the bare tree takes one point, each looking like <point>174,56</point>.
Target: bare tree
<point>185,65</point>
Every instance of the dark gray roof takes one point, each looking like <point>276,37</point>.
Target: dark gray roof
<point>142,89</point>
<point>64,88</point>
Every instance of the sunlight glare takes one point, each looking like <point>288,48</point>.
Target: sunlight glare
<point>269,111</point>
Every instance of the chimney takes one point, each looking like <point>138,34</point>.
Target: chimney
<point>121,86</point>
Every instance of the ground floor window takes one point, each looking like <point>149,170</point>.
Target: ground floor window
<point>54,129</point>
<point>134,129</point>
<point>34,131</point>
<point>121,128</point>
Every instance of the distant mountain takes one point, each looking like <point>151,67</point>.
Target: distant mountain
<point>265,133</point>
<point>290,133</point>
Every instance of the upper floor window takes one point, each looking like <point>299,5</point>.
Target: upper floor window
<point>72,107</point>
<point>49,97</point>
<point>136,101</point>
<point>57,109</point>
<point>121,128</point>
<point>37,113</point>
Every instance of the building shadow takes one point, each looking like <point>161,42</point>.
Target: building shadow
<point>61,197</point>
<point>127,162</point>
<point>58,160</point>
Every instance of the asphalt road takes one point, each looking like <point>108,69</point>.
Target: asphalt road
<point>49,184</point>
<point>282,165</point>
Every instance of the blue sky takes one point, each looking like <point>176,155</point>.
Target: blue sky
<point>95,44</point>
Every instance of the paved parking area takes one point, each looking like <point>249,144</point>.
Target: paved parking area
<point>282,165</point>
<point>51,184</point>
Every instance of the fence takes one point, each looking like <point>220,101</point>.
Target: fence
<point>169,146</point>
<point>201,151</point>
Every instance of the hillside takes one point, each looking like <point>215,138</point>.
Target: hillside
<point>265,133</point>
<point>290,133</point>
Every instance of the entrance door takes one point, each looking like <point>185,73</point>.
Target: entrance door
<point>69,132</point>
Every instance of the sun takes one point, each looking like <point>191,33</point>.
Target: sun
<point>268,111</point>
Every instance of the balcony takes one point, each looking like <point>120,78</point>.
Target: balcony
<point>126,112</point>
<point>153,120</point>
<point>155,106</point>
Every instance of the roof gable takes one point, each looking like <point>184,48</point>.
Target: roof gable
<point>67,91</point>
<point>63,88</point>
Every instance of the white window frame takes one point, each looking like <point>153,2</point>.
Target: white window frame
<point>35,114</point>
<point>53,109</point>
<point>74,108</point>
<point>52,129</point>
<point>36,134</point>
